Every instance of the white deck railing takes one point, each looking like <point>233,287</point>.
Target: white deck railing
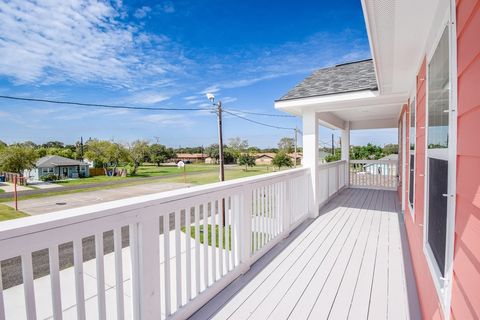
<point>375,174</point>
<point>332,178</point>
<point>144,257</point>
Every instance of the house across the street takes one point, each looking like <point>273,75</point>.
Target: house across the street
<point>64,168</point>
<point>191,157</point>
<point>382,167</point>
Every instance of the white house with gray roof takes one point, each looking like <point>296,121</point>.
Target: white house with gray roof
<point>64,168</point>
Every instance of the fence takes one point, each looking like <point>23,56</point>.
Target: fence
<point>375,174</point>
<point>151,257</point>
<point>10,177</point>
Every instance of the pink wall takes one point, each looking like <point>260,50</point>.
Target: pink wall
<point>429,303</point>
<point>466,266</point>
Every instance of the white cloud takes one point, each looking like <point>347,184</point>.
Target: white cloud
<point>82,41</point>
<point>166,120</point>
<point>166,7</point>
<point>142,12</point>
<point>147,98</point>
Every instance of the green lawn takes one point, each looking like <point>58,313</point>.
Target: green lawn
<point>1,190</point>
<point>231,172</point>
<point>7,213</point>
<point>143,172</point>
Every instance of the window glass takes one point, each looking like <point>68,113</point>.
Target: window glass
<point>411,181</point>
<point>438,95</point>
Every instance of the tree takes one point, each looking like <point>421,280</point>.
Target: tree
<point>159,153</point>
<point>53,144</point>
<point>212,151</point>
<point>286,144</point>
<point>246,160</point>
<point>334,157</point>
<point>137,152</point>
<point>2,144</point>
<point>368,152</point>
<point>237,146</point>
<point>390,148</point>
<point>105,153</point>
<point>282,159</point>
<point>17,159</point>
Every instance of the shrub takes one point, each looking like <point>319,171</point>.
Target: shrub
<point>49,177</point>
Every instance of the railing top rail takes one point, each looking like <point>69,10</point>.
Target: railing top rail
<point>33,224</point>
<point>374,161</point>
<point>331,164</point>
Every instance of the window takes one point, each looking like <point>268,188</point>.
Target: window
<point>438,95</point>
<point>437,155</point>
<point>411,180</point>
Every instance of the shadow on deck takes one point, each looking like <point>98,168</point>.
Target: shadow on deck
<point>352,262</point>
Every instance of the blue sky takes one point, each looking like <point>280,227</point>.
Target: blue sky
<point>166,53</point>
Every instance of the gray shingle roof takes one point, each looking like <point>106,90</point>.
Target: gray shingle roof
<point>55,161</point>
<point>342,78</point>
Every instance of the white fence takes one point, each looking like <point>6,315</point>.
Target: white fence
<point>151,257</point>
<point>332,178</point>
<point>375,174</point>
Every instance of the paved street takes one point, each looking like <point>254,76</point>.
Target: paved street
<point>80,199</point>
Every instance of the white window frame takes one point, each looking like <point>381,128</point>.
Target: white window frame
<point>413,100</point>
<point>443,285</point>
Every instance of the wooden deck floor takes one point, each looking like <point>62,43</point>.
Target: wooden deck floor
<point>350,263</point>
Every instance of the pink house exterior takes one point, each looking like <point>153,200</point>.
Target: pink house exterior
<point>324,241</point>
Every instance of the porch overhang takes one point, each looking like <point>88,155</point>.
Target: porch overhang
<point>365,109</point>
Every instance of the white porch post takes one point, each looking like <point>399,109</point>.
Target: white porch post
<point>311,158</point>
<point>346,151</point>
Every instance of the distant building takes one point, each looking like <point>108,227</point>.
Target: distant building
<point>210,160</point>
<point>62,167</point>
<point>191,157</point>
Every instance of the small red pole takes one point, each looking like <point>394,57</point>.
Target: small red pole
<point>15,195</point>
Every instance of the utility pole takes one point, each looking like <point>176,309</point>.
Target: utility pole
<point>218,111</point>
<point>333,146</point>
<point>220,141</point>
<point>81,148</point>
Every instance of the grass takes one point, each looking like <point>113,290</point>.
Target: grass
<point>1,190</point>
<point>204,174</point>
<point>8,213</point>
<point>209,237</point>
<point>231,172</point>
<point>145,171</point>
<point>217,236</point>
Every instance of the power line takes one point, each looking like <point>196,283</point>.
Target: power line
<point>258,122</point>
<point>263,114</point>
<point>101,105</point>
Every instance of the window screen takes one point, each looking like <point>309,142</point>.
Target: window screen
<point>437,209</point>
<point>411,181</point>
<point>438,95</point>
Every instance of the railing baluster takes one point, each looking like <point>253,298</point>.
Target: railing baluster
<point>2,303</point>
<point>78,267</point>
<point>227,234</point>
<point>188,253</point>
<point>214,227</point>
<point>205,244</point>
<point>221,210</point>
<point>27,273</point>
<point>197,249</point>
<point>117,235</point>
<point>54,265</point>
<point>99,260</point>
<point>166,265</point>
<point>178,258</point>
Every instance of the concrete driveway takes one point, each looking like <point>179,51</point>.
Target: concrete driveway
<point>80,199</point>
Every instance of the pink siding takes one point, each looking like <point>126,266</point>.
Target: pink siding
<point>429,303</point>
<point>466,266</point>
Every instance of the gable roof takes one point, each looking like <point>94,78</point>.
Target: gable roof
<point>55,161</point>
<point>342,78</point>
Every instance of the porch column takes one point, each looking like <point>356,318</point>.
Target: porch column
<point>346,151</point>
<point>311,158</point>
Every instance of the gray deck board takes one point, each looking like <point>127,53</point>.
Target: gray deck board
<point>351,262</point>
